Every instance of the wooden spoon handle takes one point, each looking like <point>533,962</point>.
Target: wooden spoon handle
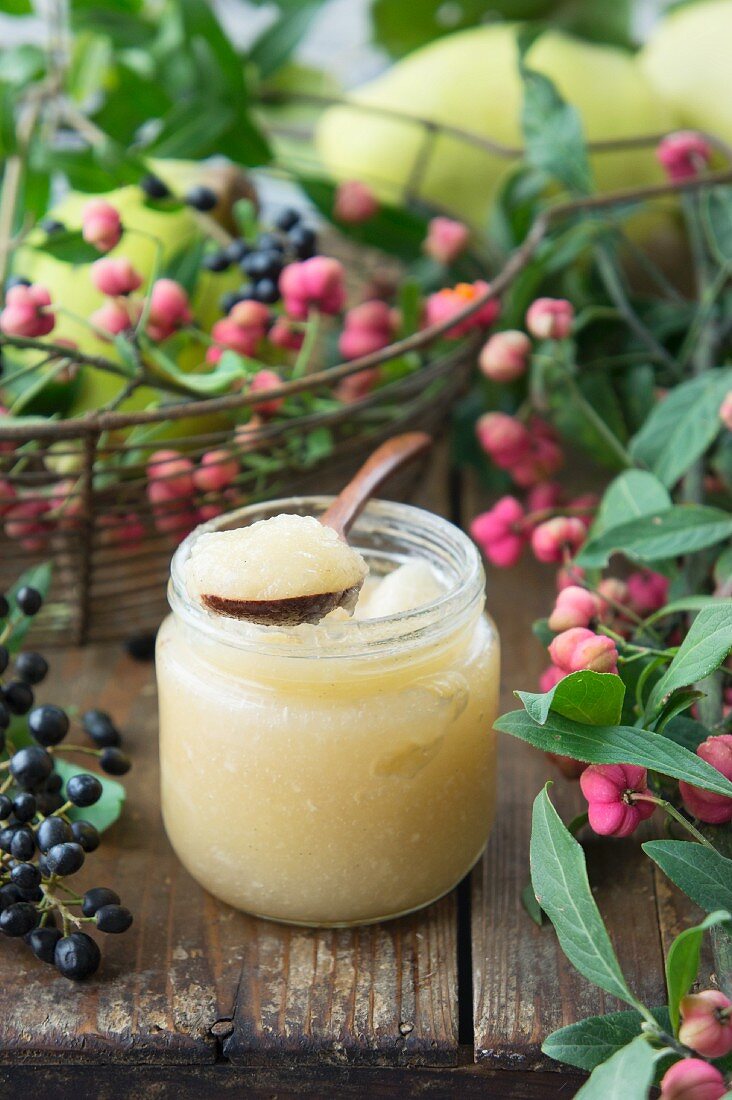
<point>386,459</point>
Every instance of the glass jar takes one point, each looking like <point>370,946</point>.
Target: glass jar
<point>341,773</point>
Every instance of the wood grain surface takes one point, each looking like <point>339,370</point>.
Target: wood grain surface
<point>199,1000</point>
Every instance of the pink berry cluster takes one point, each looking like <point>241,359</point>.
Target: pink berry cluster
<point>706,1029</point>
<point>540,522</point>
<point>505,356</point>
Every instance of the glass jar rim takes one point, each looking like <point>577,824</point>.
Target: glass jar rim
<point>346,637</point>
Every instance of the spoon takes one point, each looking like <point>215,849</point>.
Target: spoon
<point>340,516</point>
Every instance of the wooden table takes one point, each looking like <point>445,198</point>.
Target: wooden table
<point>200,1001</point>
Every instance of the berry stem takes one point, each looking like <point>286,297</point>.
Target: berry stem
<point>671,810</point>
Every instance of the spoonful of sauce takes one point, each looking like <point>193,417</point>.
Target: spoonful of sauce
<point>293,569</point>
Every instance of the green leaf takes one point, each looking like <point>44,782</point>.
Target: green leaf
<point>559,878</point>
<point>703,650</point>
<point>591,1041</point>
<point>723,568</point>
<point>531,905</point>
<point>191,129</point>
<point>69,247</point>
<point>587,696</point>
<point>615,745</point>
<point>627,1075</point>
<point>184,266</point>
<point>276,44</point>
<point>704,874</point>
<point>552,130</point>
<point>401,28</point>
<point>16,7</point>
<point>38,576</point>
<point>690,413</point>
<point>683,529</point>
<point>632,494</point>
<point>104,812</point>
<point>686,603</point>
<point>686,731</point>
<point>682,962</point>
<point>229,368</point>
<point>21,65</point>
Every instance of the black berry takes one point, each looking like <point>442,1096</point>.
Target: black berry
<point>24,807</point>
<point>31,667</point>
<point>53,783</point>
<point>23,844</point>
<point>236,251</point>
<point>114,762</point>
<point>29,600</point>
<point>30,766</point>
<point>42,942</point>
<point>51,226</point>
<point>141,647</point>
<point>303,240</point>
<point>113,918</point>
<point>25,876</point>
<point>49,803</point>
<point>4,658</point>
<point>49,724</point>
<point>66,858</point>
<point>101,728</point>
<point>287,218</point>
<point>83,789</point>
<point>154,187</point>
<point>6,807</point>
<point>18,697</point>
<point>16,280</point>
<point>51,832</point>
<point>201,198</point>
<point>77,956</point>
<point>85,834</point>
<point>6,836</point>
<point>4,716</point>
<point>216,261</point>
<point>263,265</point>
<point>265,291</point>
<point>10,894</point>
<point>97,897</point>
<point>18,919</point>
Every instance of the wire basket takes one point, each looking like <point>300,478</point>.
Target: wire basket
<point>110,573</point>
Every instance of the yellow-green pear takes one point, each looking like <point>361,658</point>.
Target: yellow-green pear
<point>470,80</point>
<point>688,59</point>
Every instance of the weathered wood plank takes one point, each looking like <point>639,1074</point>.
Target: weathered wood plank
<point>279,1083</point>
<point>384,994</point>
<point>173,975</point>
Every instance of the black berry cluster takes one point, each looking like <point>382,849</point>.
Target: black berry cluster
<point>40,845</point>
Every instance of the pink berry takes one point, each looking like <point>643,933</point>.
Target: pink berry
<point>354,387</point>
<point>121,530</point>
<point>354,202</point>
<point>447,303</point>
<point>115,276</point>
<point>725,411</point>
<point>367,328</point>
<point>578,648</point>
<point>646,591</point>
<point>446,239</point>
<point>169,309</point>
<point>544,495</point>
<point>101,225</point>
<point>706,1023</point>
<point>683,155</point>
<point>503,437</point>
<point>317,283</point>
<point>113,318</point>
<point>172,473</point>
<point>550,318</point>
<point>552,539</point>
<point>692,1079</point>
<point>26,312</point>
<point>574,606</point>
<point>266,380</point>
<point>216,471</point>
<point>715,809</point>
<point>283,334</point>
<point>569,574</point>
<point>504,357</point>
<point>611,790</point>
<point>23,523</point>
<point>550,677</point>
<point>499,532</point>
